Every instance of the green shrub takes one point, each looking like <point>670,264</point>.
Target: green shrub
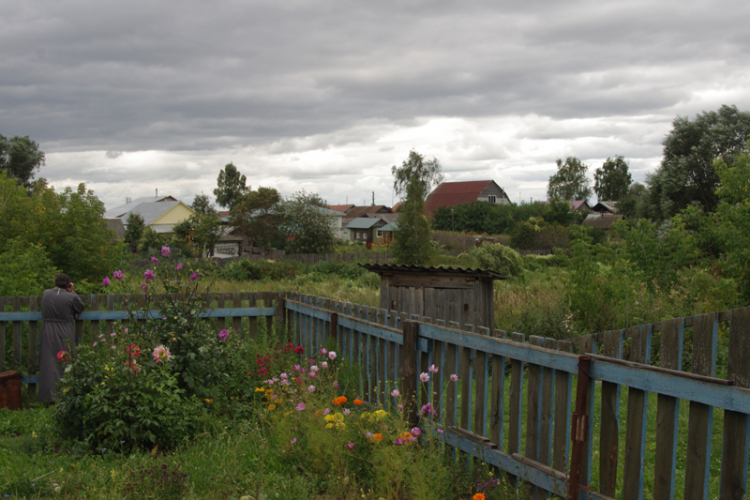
<point>113,399</point>
<point>499,258</point>
<point>257,270</point>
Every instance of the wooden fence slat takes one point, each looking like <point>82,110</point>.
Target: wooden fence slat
<point>2,336</point>
<point>464,374</point>
<point>698,464</point>
<point>534,411</point>
<point>563,401</point>
<point>237,322</point>
<point>548,404</point>
<point>516,405</point>
<point>451,364</point>
<point>33,360</point>
<point>668,412</point>
<point>635,433</point>
<point>534,407</point>
<point>497,398</point>
<point>734,461</point>
<point>220,305</point>
<point>480,399</point>
<point>16,333</point>
<point>609,440</point>
<point>252,325</point>
<point>589,345</point>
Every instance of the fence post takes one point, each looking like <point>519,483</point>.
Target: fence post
<point>409,370</point>
<point>579,430</point>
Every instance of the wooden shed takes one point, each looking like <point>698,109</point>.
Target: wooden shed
<point>451,294</point>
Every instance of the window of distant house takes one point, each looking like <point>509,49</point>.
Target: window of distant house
<point>492,198</point>
<point>357,237</point>
<point>380,233</point>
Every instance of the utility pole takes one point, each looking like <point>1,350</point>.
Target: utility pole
<point>373,198</point>
<point>453,228</point>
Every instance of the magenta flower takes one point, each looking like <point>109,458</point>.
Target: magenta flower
<point>332,355</point>
<point>335,384</point>
<point>424,377</point>
<point>416,431</point>
<point>398,442</point>
<point>300,407</point>
<point>149,275</point>
<point>144,287</point>
<point>428,410</point>
<point>326,411</point>
<point>433,369</point>
<point>350,446</point>
<point>179,267</point>
<point>440,431</point>
<point>223,335</point>
<point>105,281</point>
<point>324,351</point>
<point>113,347</point>
<point>166,252</point>
<point>454,378</point>
<point>395,393</point>
<point>294,440</point>
<point>346,411</point>
<point>311,388</point>
<point>118,275</point>
<point>193,276</point>
<point>324,364</point>
<point>161,354</point>
<point>154,261</point>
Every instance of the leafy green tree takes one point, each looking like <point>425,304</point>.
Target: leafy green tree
<point>632,204</point>
<point>687,175</point>
<point>411,238</point>
<point>570,181</point>
<point>611,182</point>
<point>202,204</point>
<point>732,221</point>
<point>257,216</point>
<point>201,232</point>
<point>69,226</point>
<point>151,241</point>
<point>134,230</point>
<point>230,186</point>
<point>25,269</point>
<point>20,157</point>
<point>307,224</point>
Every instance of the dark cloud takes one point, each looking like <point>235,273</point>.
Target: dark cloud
<point>267,80</point>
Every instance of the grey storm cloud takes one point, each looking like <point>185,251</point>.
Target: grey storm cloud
<point>288,77</point>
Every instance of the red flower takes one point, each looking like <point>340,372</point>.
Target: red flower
<point>134,367</point>
<point>133,351</point>
<point>299,349</point>
<point>63,356</point>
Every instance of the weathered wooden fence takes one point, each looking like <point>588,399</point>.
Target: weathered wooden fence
<point>20,321</point>
<point>514,407</point>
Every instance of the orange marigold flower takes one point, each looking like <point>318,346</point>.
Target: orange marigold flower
<point>318,412</point>
<point>478,496</point>
<point>339,401</point>
<point>376,438</point>
<point>405,435</point>
<point>358,402</point>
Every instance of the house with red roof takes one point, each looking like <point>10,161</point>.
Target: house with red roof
<point>450,194</point>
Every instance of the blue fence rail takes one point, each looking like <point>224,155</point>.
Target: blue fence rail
<point>513,404</point>
<point>20,321</point>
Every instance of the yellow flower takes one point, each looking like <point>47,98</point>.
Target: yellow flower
<point>208,400</point>
<point>33,434</point>
<point>113,474</point>
<point>271,407</point>
<point>260,389</point>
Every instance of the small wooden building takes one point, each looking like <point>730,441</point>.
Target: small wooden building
<point>451,294</point>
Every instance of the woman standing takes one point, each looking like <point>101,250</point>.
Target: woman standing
<point>60,307</point>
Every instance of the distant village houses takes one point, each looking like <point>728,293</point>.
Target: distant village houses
<point>160,213</point>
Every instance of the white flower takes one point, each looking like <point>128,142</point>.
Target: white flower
<point>332,355</point>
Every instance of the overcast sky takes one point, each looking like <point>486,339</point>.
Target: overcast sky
<point>129,97</point>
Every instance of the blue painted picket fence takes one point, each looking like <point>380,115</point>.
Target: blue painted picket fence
<point>104,312</point>
<point>491,418</point>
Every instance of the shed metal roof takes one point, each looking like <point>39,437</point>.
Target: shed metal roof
<point>402,269</point>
